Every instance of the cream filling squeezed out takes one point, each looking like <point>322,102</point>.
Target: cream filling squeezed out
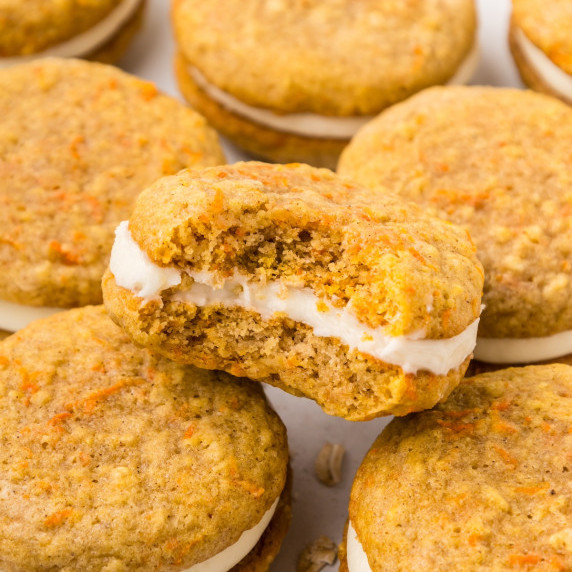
<point>87,42</point>
<point>311,124</point>
<point>134,271</point>
<point>550,74</point>
<point>523,350</point>
<point>232,555</point>
<point>14,317</point>
<point>357,558</point>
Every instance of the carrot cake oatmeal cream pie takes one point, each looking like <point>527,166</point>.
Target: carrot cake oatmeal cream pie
<point>293,276</point>
<point>116,459</point>
<point>293,80</point>
<point>92,29</point>
<point>481,482</point>
<point>78,141</point>
<point>496,161</point>
<point>541,42</point>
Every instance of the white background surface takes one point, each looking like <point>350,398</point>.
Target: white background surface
<point>318,510</point>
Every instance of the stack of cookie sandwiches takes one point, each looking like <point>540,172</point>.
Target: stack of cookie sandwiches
<point>93,30</point>
<point>294,80</point>
<point>78,141</point>
<point>496,161</point>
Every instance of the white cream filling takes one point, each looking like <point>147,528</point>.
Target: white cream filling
<point>86,42</point>
<point>550,74</point>
<point>311,124</point>
<point>357,558</point>
<point>523,350</point>
<point>232,555</point>
<point>14,317</point>
<point>134,271</point>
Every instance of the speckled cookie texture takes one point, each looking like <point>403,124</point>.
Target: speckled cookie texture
<point>32,27</point>
<point>482,482</point>
<point>115,459</point>
<point>338,59</point>
<point>496,161</point>
<point>78,142</point>
<point>547,26</point>
<point>399,270</point>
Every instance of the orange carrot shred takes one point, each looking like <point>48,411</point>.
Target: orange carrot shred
<point>532,490</point>
<point>218,202</point>
<point>189,432</point>
<point>523,559</point>
<point>57,419</point>
<point>457,427</point>
<point>57,518</point>
<point>506,456</point>
<point>251,488</point>
<point>89,403</point>
<point>474,538</point>
<point>502,427</point>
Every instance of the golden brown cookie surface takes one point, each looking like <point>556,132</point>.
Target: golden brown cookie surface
<point>117,459</point>
<point>379,52</point>
<point>480,482</point>
<point>496,161</point>
<point>78,142</point>
<point>72,28</point>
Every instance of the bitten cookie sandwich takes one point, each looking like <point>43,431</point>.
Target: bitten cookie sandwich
<point>78,141</point>
<point>96,30</point>
<point>116,459</point>
<point>294,80</point>
<point>482,482</point>
<point>541,44</point>
<point>496,161</point>
<point>290,275</point>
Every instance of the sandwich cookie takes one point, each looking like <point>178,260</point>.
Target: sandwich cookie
<point>78,142</point>
<point>479,483</point>
<point>96,30</point>
<point>116,459</point>
<point>541,44</point>
<point>293,276</point>
<point>294,80</point>
<point>496,161</point>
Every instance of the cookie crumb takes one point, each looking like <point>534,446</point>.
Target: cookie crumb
<point>328,465</point>
<point>321,552</point>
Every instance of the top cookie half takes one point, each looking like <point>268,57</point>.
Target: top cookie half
<point>334,58</point>
<point>498,162</point>
<point>78,141</point>
<point>294,276</point>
